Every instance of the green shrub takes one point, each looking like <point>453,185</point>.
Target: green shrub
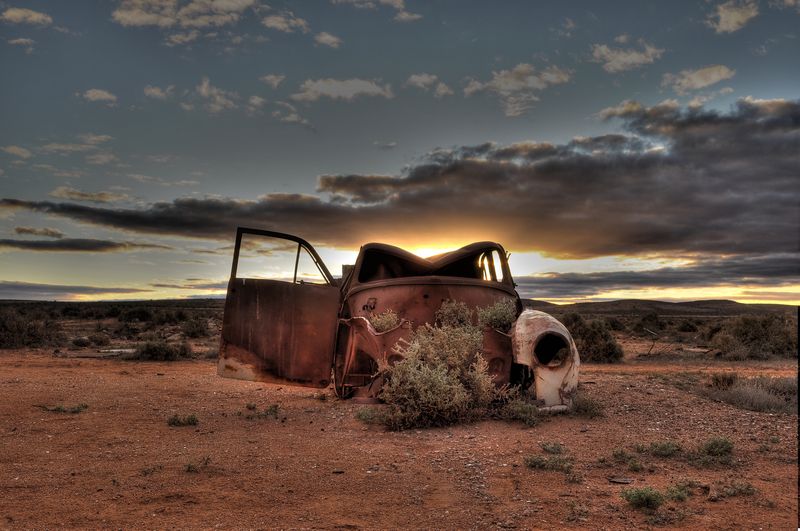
<point>384,321</point>
<point>716,447</point>
<point>643,497</point>
<point>665,448</point>
<point>593,339</point>
<point>177,420</point>
<point>81,342</point>
<point>501,315</point>
<point>518,409</point>
<point>586,406</point>
<point>161,351</point>
<point>195,328</point>
<point>552,462</point>
<point>759,337</point>
<point>18,331</point>
<point>453,314</point>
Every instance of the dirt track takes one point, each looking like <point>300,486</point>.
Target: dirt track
<point>118,464</point>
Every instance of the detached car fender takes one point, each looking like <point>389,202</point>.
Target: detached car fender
<point>542,343</point>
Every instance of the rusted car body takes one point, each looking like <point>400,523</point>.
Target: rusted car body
<point>315,334</point>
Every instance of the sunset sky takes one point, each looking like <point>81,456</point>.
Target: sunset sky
<point>617,150</point>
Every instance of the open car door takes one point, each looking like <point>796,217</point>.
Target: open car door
<point>281,312</point>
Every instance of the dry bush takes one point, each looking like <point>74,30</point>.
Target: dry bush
<point>500,315</point>
<point>643,497</point>
<point>762,393</point>
<point>384,321</point>
<point>194,328</point>
<point>443,378</point>
<point>593,339</point>
<point>160,351</point>
<point>17,331</point>
<point>759,337</point>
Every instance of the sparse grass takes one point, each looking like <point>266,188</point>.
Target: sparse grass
<point>738,488</point>
<point>593,339</point>
<point>621,455</point>
<point>577,512</point>
<point>194,468</point>
<point>552,447</point>
<point>177,420</point>
<point>762,393</point>
<point>150,470</point>
<point>370,415</point>
<point>269,411</point>
<point>518,409</point>
<point>643,497</point>
<point>72,410</point>
<point>587,407</point>
<point>551,462</point>
<point>501,315</point>
<point>634,465</point>
<point>384,321</point>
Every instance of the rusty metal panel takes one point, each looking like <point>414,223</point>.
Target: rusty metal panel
<point>276,331</point>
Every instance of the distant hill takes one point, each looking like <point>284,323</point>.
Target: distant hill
<point>638,306</point>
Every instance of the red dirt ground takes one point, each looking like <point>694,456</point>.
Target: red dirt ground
<point>119,465</point>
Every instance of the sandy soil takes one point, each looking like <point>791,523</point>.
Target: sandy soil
<point>119,465</point>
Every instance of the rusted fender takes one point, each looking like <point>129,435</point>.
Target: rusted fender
<point>545,345</point>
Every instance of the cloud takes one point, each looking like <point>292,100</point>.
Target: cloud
<point>12,290</point>
<point>679,182</point>
<point>517,88</point>
<point>157,93</point>
<point>179,39</point>
<point>688,80</point>
<point>341,89</point>
<point>287,113</point>
<point>732,15</point>
<point>421,81</point>
<point>621,59</point>
<point>19,15</point>
<point>286,22</point>
<point>193,283</point>
<point>170,13</point>
<point>102,158</point>
<point>442,90</point>
<point>327,39</point>
<point>99,95</point>
<point>255,104</point>
<point>19,152</point>
<point>273,80</point>
<point>65,192</point>
<point>767,270</point>
<point>93,139</point>
<point>217,100</point>
<point>47,232</point>
<point>384,145</point>
<point>26,43</point>
<point>79,245</point>
<point>401,14</point>
<point>161,182</point>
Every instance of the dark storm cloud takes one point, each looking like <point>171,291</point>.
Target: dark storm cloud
<point>47,232</point>
<point>33,291</point>
<point>763,271</point>
<point>78,245</point>
<point>687,181</point>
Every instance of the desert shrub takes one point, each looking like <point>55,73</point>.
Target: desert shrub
<point>384,321</point>
<point>759,337</point>
<point>517,409</point>
<point>81,342</point>
<point>593,339</point>
<point>586,406</point>
<point>453,314</point>
<point>99,339</point>
<point>649,321</point>
<point>552,448</point>
<point>370,415</point>
<point>687,326</point>
<point>643,497</point>
<point>500,315</point>
<point>136,314</point>
<point>718,446</point>
<point>738,488</point>
<point>443,378</point>
<point>269,411</point>
<point>615,324</point>
<point>17,331</point>
<point>665,448</point>
<point>161,351</point>
<point>762,393</point>
<point>551,462</point>
<point>73,410</point>
<point>194,328</point>
<point>177,420</point>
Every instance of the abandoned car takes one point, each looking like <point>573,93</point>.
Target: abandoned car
<point>313,329</point>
